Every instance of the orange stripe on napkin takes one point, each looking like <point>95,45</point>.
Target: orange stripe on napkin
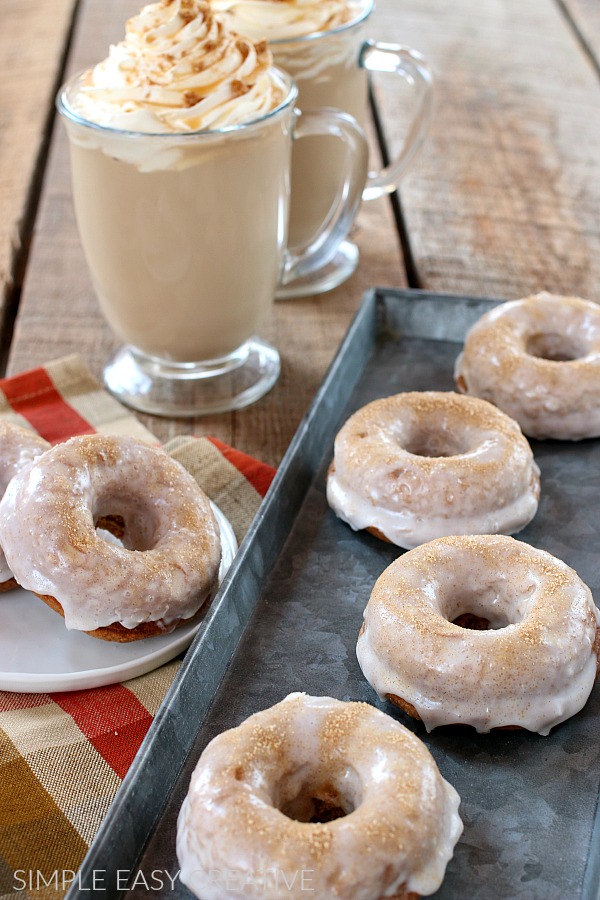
<point>112,719</point>
<point>35,397</point>
<point>258,474</point>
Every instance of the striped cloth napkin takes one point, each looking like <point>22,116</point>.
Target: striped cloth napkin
<point>63,755</point>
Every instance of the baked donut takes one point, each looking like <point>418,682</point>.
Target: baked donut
<point>167,566</point>
<point>417,466</point>
<point>317,795</point>
<point>538,359</point>
<point>18,447</point>
<point>533,666</point>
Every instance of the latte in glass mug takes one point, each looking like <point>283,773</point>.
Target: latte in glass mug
<point>323,44</point>
<point>180,155</point>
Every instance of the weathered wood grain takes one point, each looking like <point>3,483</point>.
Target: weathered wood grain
<point>32,41</point>
<point>504,199</point>
<point>59,313</point>
<point>586,17</point>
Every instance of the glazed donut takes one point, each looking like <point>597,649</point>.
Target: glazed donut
<point>533,667</point>
<point>317,795</point>
<point>417,466</point>
<point>18,447</point>
<point>168,564</point>
<point>538,359</point>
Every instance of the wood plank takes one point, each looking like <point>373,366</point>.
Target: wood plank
<point>585,14</point>
<point>59,313</point>
<point>504,199</point>
<point>32,40</point>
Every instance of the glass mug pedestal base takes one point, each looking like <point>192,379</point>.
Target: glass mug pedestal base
<point>171,389</point>
<point>341,267</point>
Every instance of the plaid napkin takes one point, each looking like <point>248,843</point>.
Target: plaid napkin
<point>63,755</point>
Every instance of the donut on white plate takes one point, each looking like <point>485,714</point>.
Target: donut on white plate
<point>167,564</point>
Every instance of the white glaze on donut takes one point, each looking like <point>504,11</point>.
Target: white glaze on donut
<point>400,826</point>
<point>417,466</point>
<point>170,558</point>
<point>538,359</point>
<point>534,667</point>
<point>18,447</point>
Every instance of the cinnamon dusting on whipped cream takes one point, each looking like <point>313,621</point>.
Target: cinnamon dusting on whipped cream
<point>286,19</point>
<point>180,69</point>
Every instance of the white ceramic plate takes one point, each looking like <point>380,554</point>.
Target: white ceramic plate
<point>38,654</point>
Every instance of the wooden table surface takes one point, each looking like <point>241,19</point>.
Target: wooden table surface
<point>503,201</point>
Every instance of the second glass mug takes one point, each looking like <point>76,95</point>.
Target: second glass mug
<point>186,239</point>
<point>331,70</point>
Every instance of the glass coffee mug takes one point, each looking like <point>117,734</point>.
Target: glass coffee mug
<point>186,235</point>
<point>331,70</point>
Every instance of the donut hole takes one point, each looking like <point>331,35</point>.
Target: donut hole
<point>323,804</point>
<point>483,610</point>
<point>114,525</point>
<point>306,796</point>
<point>476,618</point>
<point>553,347</point>
<point>472,622</point>
<point>435,442</point>
<point>125,521</point>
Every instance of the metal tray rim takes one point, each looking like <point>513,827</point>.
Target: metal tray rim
<point>304,444</point>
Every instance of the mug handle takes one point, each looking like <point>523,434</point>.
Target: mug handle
<point>322,247</point>
<point>376,56</point>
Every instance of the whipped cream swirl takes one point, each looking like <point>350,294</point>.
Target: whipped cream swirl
<point>286,19</point>
<point>180,69</point>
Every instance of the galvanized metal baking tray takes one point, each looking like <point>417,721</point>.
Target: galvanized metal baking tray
<point>287,618</point>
